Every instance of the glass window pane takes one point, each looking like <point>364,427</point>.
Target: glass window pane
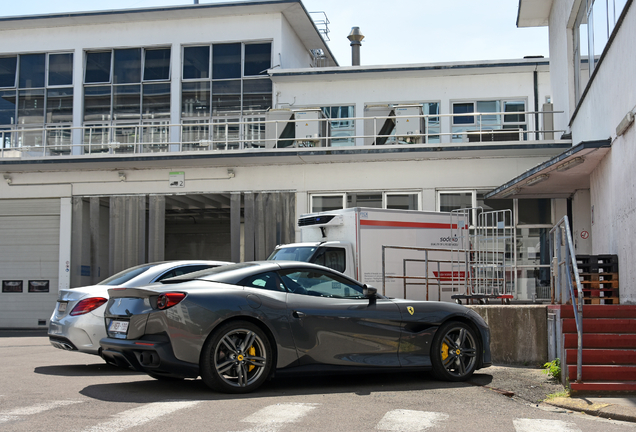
<point>156,102</point>
<point>195,97</point>
<point>326,203</point>
<point>97,67</point>
<point>534,211</point>
<point>514,106</point>
<point>257,94</point>
<point>127,66</point>
<point>258,58</point>
<point>7,107</point>
<point>373,200</point>
<point>60,69</point>
<point>226,61</point>
<point>31,106</point>
<point>126,102</point>
<point>8,67</point>
<point>97,103</point>
<point>452,201</point>
<point>32,70</point>
<point>491,121</point>
<point>463,108</point>
<point>493,204</point>
<point>402,202</point>
<point>59,105</point>
<point>226,96</point>
<point>157,65</point>
<point>196,62</point>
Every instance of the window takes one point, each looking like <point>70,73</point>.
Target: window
<point>8,69</point>
<point>475,118</point>
<point>32,70</point>
<point>341,128</point>
<point>138,88</point>
<point>268,281</point>
<point>331,257</point>
<point>593,26</point>
<point>387,200</point>
<point>60,70</point>
<point>321,284</point>
<point>222,87</point>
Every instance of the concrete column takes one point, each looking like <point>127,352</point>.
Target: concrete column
<point>582,222</point>
<point>78,101</point>
<point>156,228</point>
<point>175,96</point>
<point>77,230</point>
<point>235,226</point>
<point>94,239</point>
<point>249,222</point>
<point>66,218</point>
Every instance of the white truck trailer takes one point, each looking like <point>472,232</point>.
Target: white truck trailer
<point>351,241</point>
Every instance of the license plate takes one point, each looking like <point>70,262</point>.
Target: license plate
<point>118,326</point>
<point>61,307</point>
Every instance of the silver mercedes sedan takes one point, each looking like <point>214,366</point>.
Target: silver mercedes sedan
<point>77,323</point>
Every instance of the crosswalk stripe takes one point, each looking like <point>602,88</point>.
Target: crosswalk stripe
<point>408,420</point>
<point>274,417</point>
<point>34,409</point>
<point>534,425</point>
<point>143,414</point>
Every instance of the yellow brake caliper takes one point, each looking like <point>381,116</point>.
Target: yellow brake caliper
<point>251,351</point>
<point>444,351</point>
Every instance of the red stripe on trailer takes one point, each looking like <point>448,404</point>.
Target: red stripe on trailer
<point>407,224</point>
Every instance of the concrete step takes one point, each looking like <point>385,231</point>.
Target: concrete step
<point>601,325</point>
<point>604,373</point>
<point>602,356</point>
<point>596,340</point>
<point>601,387</point>
<point>599,311</point>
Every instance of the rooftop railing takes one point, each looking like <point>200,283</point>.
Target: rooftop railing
<point>258,133</point>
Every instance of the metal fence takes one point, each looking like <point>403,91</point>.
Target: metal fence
<point>257,132</point>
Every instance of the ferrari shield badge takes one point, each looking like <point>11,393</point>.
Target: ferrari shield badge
<point>411,310</point>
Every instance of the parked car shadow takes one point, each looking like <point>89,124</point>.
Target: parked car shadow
<point>152,390</point>
<point>97,369</point>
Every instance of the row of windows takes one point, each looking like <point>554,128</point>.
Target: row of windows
<point>27,71</point>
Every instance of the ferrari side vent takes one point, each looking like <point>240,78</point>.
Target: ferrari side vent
<point>320,220</point>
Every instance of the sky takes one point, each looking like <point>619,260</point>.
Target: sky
<point>396,31</point>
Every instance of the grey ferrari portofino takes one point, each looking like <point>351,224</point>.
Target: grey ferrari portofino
<point>238,325</point>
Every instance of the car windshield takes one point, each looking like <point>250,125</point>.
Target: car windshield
<point>207,273</point>
<point>293,253</point>
<point>126,275</point>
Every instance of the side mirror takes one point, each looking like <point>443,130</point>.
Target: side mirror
<point>369,291</point>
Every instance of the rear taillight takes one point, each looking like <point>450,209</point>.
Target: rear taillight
<point>87,305</point>
<point>167,300</point>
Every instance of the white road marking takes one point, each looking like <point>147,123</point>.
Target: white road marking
<point>274,417</point>
<point>410,421</point>
<point>534,425</point>
<point>143,414</point>
<point>33,409</point>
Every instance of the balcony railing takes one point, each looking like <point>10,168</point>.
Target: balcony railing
<point>257,133</point>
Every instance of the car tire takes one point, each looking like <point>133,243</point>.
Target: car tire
<point>454,352</point>
<point>236,358</point>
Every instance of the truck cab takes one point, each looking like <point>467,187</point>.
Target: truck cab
<point>336,255</point>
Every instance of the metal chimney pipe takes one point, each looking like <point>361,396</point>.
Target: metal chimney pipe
<point>196,1</point>
<point>356,41</point>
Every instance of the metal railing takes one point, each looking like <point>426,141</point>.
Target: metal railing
<point>256,133</point>
<point>564,269</point>
<point>443,273</point>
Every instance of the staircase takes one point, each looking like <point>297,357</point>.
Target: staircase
<point>609,348</point>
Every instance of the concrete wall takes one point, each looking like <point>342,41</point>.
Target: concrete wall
<point>519,334</point>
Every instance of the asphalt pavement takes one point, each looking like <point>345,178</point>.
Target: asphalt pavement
<point>535,387</point>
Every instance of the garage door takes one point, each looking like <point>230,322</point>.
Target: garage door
<point>29,250</point>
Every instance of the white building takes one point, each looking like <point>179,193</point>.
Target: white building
<point>193,132</point>
<point>592,82</point>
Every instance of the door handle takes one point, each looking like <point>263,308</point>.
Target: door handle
<point>297,314</point>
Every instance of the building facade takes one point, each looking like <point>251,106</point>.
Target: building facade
<point>204,131</point>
